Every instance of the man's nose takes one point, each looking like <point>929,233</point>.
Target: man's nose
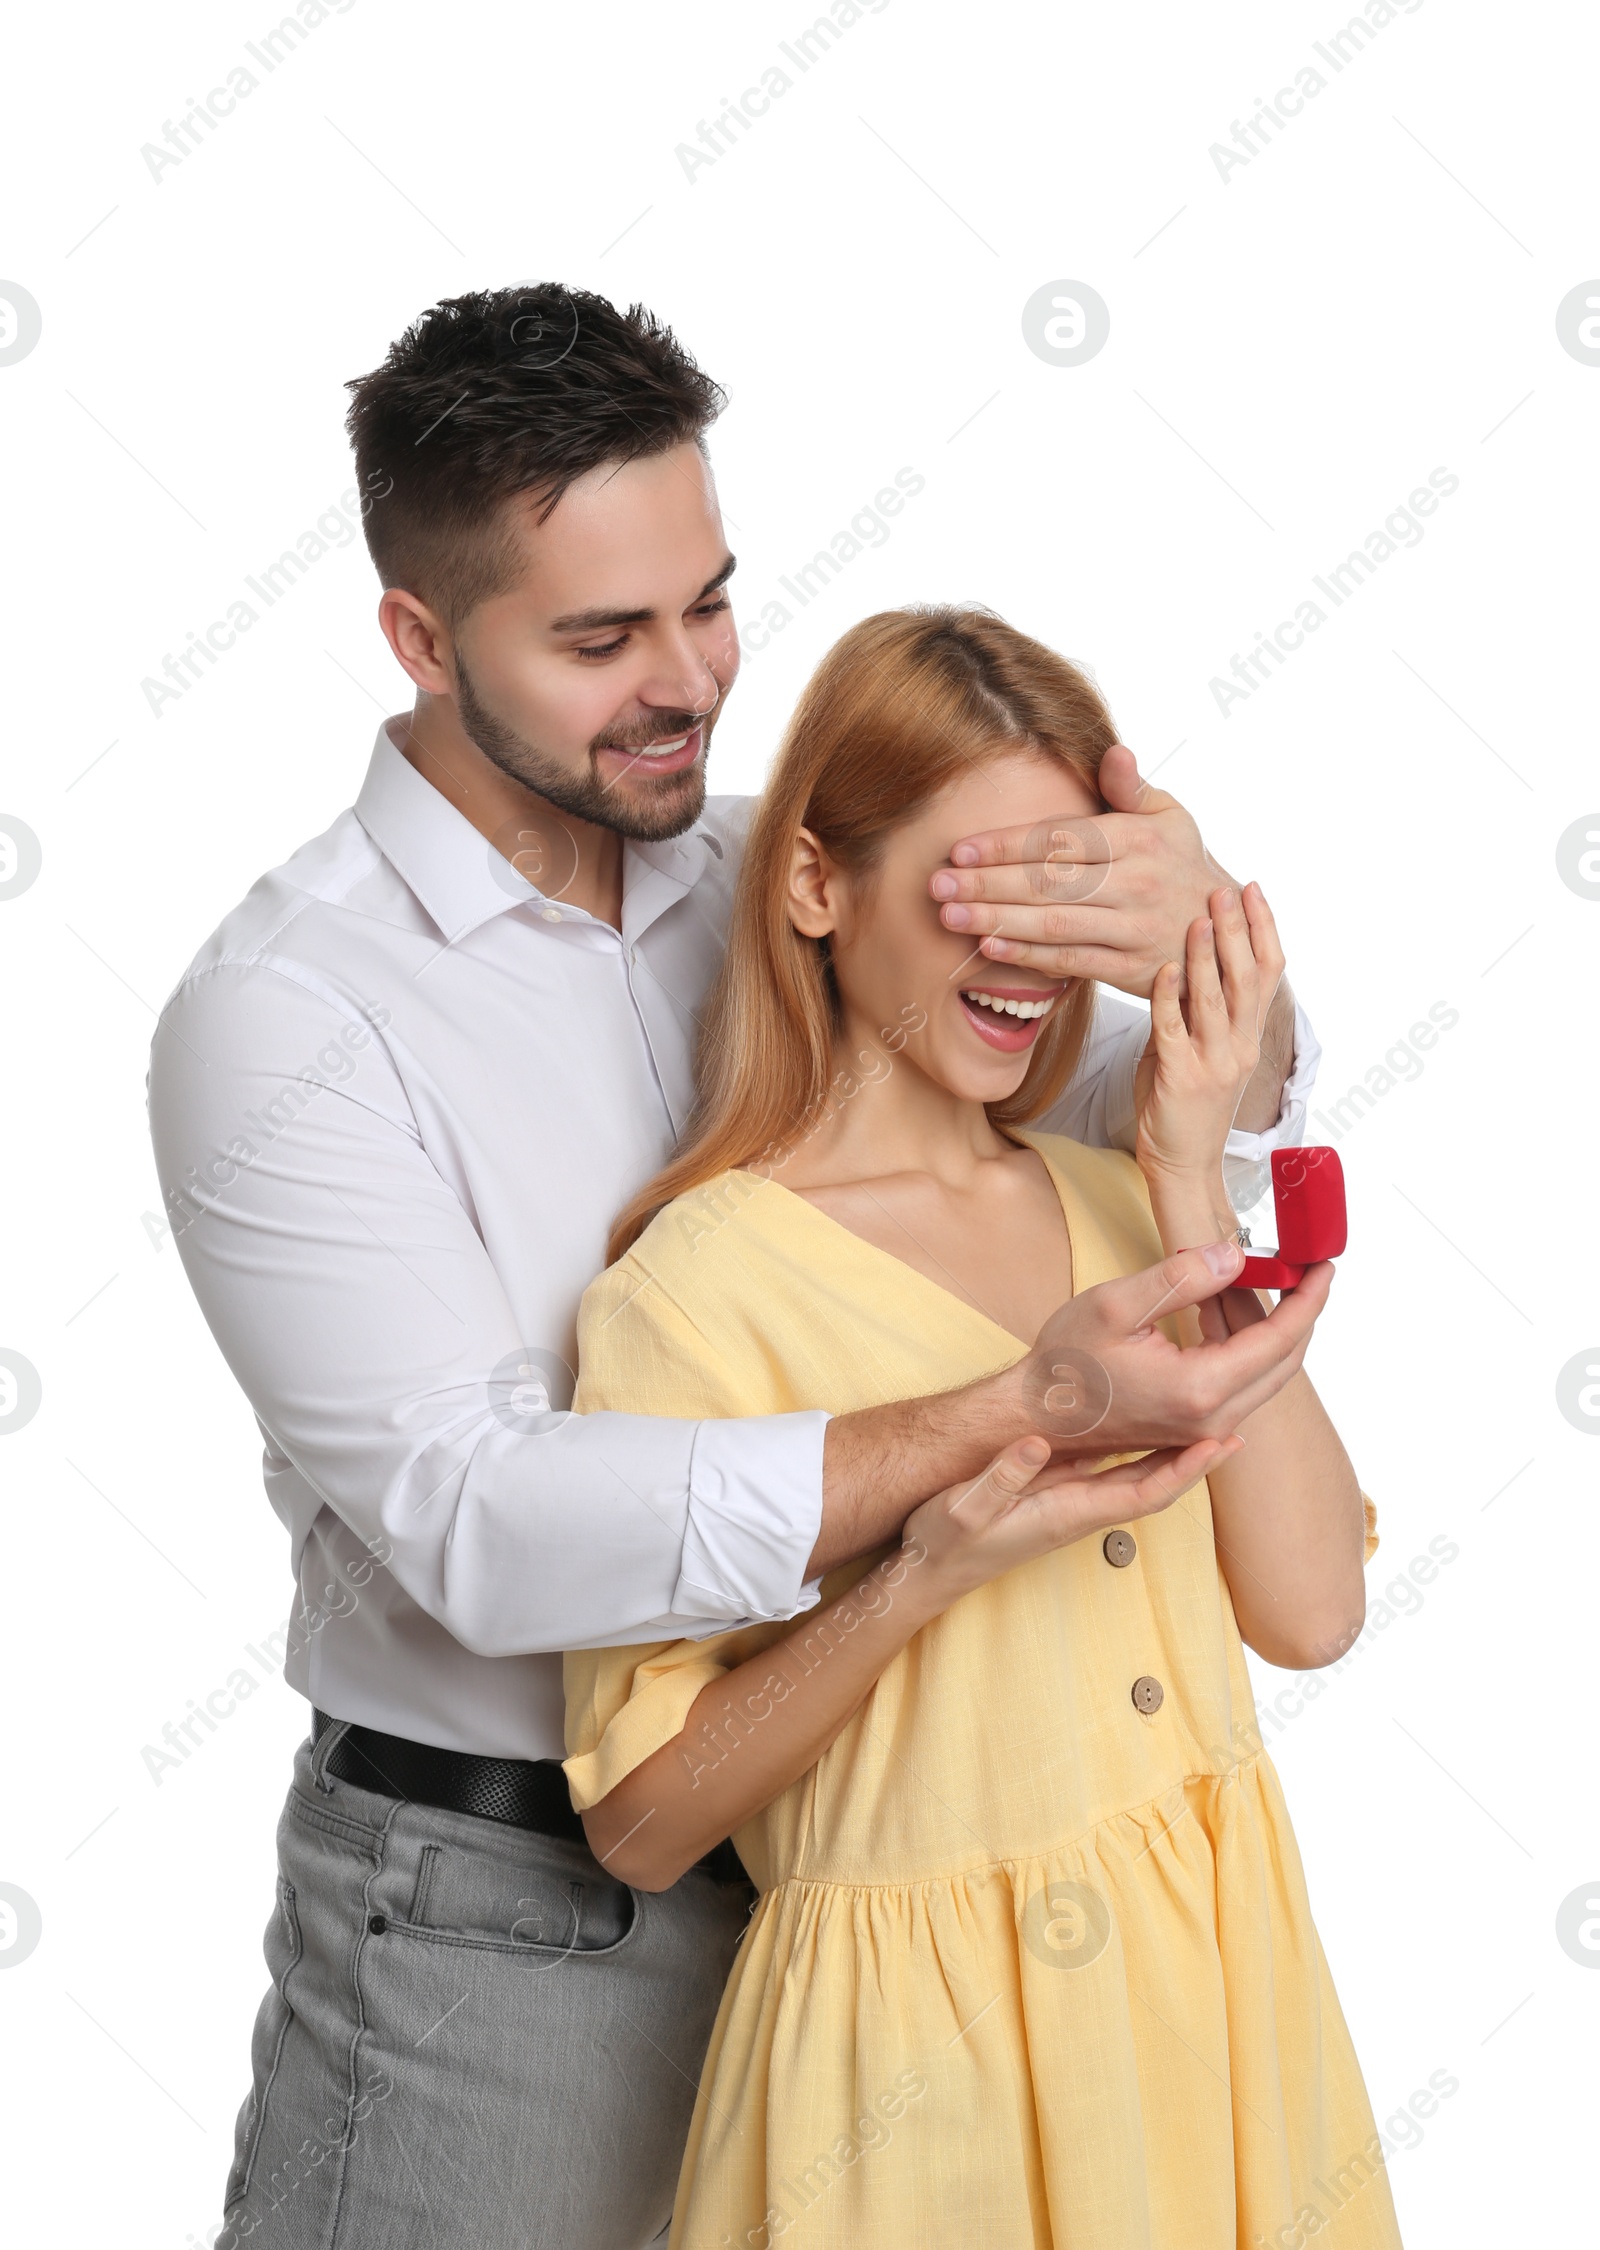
<point>683,679</point>
<point>696,694</point>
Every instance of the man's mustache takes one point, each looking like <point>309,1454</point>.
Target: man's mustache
<point>659,730</point>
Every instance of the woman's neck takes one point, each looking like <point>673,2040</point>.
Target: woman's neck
<point>886,1116</point>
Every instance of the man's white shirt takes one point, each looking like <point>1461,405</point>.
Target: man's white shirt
<point>396,1101</point>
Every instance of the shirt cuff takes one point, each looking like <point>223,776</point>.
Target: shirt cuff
<point>1247,1157</point>
<point>755,1514</point>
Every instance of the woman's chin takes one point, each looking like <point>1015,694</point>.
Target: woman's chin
<point>986,1078</point>
<point>975,1066</point>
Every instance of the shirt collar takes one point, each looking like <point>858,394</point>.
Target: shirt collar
<point>461,880</point>
<point>656,876</point>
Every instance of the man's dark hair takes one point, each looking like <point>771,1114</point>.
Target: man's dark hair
<point>501,392</point>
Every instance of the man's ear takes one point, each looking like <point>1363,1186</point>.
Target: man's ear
<point>813,887</point>
<point>419,639</point>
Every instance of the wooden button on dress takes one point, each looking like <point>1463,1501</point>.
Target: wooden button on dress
<point>1119,1549</point>
<point>1148,1694</point>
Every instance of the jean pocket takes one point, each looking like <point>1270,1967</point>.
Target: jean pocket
<point>282,1947</point>
<point>544,1903</point>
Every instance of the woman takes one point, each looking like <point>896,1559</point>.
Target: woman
<point>1032,1962</point>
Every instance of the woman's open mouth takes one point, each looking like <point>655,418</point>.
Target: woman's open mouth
<point>1007,1017</point>
<point>661,757</point>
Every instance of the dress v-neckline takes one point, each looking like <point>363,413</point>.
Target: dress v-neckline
<point>876,1254</point>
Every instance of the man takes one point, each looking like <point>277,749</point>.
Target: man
<point>396,1101</point>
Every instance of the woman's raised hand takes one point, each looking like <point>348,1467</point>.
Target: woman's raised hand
<point>1205,1036</point>
<point>1019,1509</point>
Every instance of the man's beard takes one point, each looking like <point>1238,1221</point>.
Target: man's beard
<point>674,803</point>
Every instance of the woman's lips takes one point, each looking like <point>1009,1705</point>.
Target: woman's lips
<point>660,757</point>
<point>1007,1034</point>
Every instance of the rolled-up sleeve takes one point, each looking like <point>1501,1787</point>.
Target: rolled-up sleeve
<point>356,1303</point>
<point>754,1515</point>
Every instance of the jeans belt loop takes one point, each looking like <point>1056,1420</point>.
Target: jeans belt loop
<point>322,1749</point>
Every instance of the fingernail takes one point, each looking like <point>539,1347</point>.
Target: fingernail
<point>1033,1450</point>
<point>1229,902</point>
<point>944,886</point>
<point>995,948</point>
<point>964,855</point>
<point>955,917</point>
<point>1221,1257</point>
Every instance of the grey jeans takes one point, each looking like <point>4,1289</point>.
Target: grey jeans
<point>473,2036</point>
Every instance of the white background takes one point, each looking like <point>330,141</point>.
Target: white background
<point>1292,350</point>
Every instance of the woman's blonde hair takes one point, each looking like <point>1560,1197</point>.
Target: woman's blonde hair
<point>903,705</point>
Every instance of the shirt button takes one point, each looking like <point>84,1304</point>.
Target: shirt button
<point>377,1924</point>
<point>550,914</point>
<point>1119,1549</point>
<point>1148,1694</point>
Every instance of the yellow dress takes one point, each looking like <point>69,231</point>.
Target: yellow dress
<point>1032,1967</point>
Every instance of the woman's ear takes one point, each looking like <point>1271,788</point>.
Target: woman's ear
<point>812,890</point>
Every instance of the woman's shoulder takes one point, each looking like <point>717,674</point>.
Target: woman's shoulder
<point>693,1225</point>
<point>698,1317</point>
<point>700,1244</point>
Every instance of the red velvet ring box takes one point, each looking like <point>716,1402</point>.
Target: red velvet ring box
<point>1308,1195</point>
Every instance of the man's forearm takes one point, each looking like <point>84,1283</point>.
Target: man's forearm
<point>1262,1099</point>
<point>880,1463</point>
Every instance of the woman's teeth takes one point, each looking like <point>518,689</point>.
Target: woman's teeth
<point>1025,1009</point>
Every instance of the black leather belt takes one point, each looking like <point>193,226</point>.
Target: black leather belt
<point>519,1792</point>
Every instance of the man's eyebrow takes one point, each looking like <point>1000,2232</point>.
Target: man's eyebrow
<point>596,620</point>
<point>721,579</point>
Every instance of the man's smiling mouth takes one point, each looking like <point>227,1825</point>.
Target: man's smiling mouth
<point>671,756</point>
